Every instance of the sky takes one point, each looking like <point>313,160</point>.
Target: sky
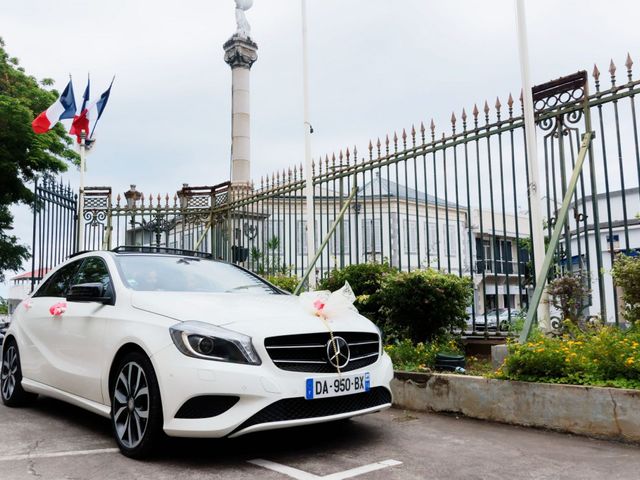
<point>376,66</point>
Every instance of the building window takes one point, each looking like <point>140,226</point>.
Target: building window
<point>335,245</point>
<point>432,237</point>
<point>410,236</point>
<point>453,241</point>
<point>372,235</point>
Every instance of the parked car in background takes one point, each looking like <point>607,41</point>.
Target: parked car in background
<point>176,343</point>
<point>502,318</point>
<point>4,325</point>
<point>507,318</point>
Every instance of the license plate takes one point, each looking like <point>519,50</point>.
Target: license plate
<point>337,386</point>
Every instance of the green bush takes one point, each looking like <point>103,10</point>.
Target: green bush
<point>626,273</point>
<point>285,282</point>
<point>423,304</point>
<point>411,357</point>
<point>365,280</point>
<point>604,356</point>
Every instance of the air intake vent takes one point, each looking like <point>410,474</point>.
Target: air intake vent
<point>206,406</point>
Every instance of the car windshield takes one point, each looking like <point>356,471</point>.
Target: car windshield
<point>186,274</point>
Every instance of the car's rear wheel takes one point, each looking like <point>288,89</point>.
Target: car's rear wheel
<point>13,395</point>
<point>136,409</point>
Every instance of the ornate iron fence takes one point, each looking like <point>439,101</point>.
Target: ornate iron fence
<point>456,201</point>
<point>54,226</point>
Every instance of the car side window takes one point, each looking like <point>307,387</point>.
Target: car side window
<point>95,270</point>
<point>60,281</point>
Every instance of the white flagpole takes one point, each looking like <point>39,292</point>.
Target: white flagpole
<point>83,154</point>
<point>310,231</point>
<point>532,155</point>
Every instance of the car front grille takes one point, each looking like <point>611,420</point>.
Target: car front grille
<point>308,352</point>
<point>299,408</point>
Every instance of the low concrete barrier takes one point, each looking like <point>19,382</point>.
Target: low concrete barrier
<point>610,413</point>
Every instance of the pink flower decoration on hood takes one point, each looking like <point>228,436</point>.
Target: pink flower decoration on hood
<point>27,304</point>
<point>318,305</point>
<point>58,308</point>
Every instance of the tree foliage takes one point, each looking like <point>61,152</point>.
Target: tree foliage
<point>23,154</point>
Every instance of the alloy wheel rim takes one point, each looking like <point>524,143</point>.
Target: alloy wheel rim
<point>9,370</point>
<point>131,405</point>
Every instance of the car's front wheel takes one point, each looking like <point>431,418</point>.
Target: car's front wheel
<point>136,409</point>
<point>13,395</point>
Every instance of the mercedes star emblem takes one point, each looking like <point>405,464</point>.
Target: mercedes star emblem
<point>338,352</point>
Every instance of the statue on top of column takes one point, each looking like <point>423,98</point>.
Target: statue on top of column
<point>244,29</point>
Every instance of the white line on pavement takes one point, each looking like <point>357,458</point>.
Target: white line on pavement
<point>72,453</point>
<point>302,475</point>
<point>289,471</point>
<point>361,470</point>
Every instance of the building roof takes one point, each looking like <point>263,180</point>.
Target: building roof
<point>36,273</point>
<point>381,187</point>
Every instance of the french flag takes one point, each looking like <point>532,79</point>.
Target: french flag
<point>81,122</point>
<point>90,115</point>
<point>64,107</point>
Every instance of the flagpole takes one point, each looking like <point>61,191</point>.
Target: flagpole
<point>310,230</point>
<point>535,212</point>
<point>83,153</point>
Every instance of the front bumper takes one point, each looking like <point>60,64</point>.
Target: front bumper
<point>269,397</point>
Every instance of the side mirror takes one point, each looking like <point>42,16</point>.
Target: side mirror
<point>88,292</point>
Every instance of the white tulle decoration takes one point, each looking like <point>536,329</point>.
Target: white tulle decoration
<point>329,305</point>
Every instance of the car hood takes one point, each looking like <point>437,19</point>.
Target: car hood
<point>254,315</point>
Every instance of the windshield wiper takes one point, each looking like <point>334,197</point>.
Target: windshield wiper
<point>244,287</point>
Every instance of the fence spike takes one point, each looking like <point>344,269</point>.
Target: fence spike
<point>355,152</point>
<point>510,101</point>
<point>175,199</point>
<point>386,141</point>
<point>628,63</point>
<point>166,200</point>
<point>453,119</point>
<point>404,135</point>
<point>370,148</point>
<point>118,200</point>
<point>475,111</point>
<point>486,109</point>
<point>498,104</point>
<point>612,69</point>
<point>596,72</point>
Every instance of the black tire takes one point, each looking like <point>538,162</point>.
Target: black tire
<point>134,394</point>
<point>11,391</point>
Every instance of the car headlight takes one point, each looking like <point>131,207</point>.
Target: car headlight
<point>202,340</point>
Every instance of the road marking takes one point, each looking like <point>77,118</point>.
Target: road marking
<point>302,475</point>
<point>72,453</point>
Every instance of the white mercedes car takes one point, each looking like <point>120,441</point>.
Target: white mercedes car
<point>172,342</point>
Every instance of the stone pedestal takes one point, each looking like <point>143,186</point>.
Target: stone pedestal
<point>240,53</point>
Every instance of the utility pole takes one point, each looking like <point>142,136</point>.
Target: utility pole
<point>310,230</point>
<point>537,233</point>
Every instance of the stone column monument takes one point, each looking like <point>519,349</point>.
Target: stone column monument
<point>240,52</point>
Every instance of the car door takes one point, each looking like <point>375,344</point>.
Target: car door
<point>75,337</point>
<point>38,353</point>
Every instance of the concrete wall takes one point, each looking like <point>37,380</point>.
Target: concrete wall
<point>597,412</point>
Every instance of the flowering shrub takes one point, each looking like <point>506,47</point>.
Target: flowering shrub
<point>602,356</point>
<point>408,356</point>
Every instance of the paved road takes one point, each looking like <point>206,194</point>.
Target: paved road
<point>52,440</point>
